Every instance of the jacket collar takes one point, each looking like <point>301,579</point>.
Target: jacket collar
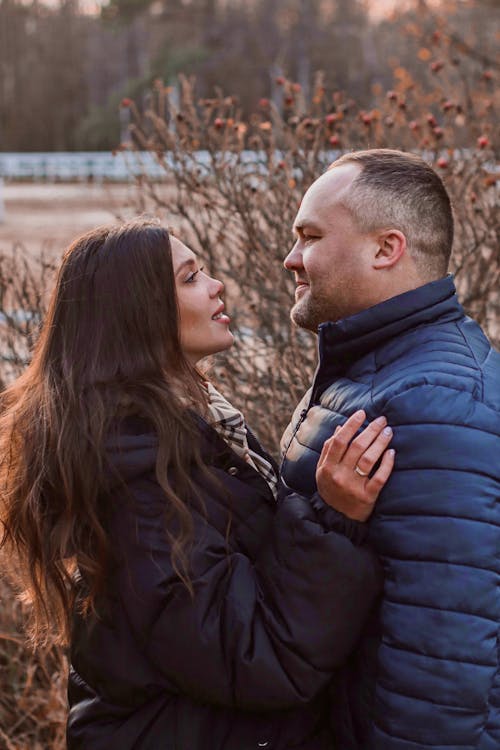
<point>345,341</point>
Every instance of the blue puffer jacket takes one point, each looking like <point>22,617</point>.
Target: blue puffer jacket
<point>426,674</point>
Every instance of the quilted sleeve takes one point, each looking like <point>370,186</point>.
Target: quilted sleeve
<point>437,525</point>
<point>257,634</point>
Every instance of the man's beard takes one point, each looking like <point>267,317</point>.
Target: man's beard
<point>309,312</point>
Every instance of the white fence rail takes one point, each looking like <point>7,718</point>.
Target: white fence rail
<point>83,165</point>
<point>123,165</point>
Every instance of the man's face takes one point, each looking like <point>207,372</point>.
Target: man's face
<point>331,257</point>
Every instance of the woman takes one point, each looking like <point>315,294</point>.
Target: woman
<point>143,521</point>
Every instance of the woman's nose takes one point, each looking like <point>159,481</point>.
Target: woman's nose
<point>217,288</point>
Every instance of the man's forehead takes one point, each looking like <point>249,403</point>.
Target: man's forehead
<point>324,193</point>
<point>333,183</point>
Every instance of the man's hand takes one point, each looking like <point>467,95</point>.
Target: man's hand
<point>344,472</point>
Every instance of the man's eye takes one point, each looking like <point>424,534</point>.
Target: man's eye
<point>310,237</point>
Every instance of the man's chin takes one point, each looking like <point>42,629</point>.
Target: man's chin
<point>303,319</point>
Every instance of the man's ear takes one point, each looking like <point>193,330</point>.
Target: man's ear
<point>391,246</point>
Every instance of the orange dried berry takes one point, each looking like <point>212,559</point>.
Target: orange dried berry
<point>436,66</point>
<point>334,140</point>
<point>483,141</point>
<point>219,122</point>
<point>126,102</point>
<point>442,162</point>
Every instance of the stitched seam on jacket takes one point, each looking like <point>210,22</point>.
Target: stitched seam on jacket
<point>449,469</point>
<point>449,424</point>
<point>411,514</point>
<point>443,562</point>
<point>421,744</point>
<point>437,658</point>
<point>420,605</point>
<point>472,709</point>
<point>478,364</point>
<point>424,384</point>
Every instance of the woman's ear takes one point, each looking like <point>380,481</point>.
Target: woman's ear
<point>391,246</point>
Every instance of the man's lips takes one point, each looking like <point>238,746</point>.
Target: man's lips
<point>301,287</point>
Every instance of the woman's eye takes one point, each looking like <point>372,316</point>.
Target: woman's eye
<point>192,276</point>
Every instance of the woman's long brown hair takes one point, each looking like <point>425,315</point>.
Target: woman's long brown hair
<point>110,339</point>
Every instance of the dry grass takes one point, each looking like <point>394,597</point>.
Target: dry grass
<point>33,703</point>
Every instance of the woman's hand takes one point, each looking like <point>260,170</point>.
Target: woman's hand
<point>343,474</point>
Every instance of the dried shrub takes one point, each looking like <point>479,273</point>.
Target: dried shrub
<point>33,704</point>
<point>24,285</point>
<point>231,188</point>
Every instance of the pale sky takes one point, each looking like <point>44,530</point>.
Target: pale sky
<point>377,8</point>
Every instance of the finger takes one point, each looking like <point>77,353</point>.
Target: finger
<point>372,454</point>
<point>363,441</point>
<point>325,452</point>
<point>327,447</point>
<point>335,447</point>
<point>378,480</point>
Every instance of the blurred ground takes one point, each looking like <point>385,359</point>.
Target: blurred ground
<point>49,216</point>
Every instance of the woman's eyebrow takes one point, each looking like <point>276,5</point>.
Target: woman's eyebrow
<point>185,263</point>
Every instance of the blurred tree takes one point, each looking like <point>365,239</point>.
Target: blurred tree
<point>43,94</point>
<point>63,73</point>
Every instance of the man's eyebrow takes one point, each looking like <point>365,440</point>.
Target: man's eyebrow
<point>306,224</point>
<point>185,263</point>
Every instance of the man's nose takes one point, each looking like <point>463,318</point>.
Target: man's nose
<point>294,259</point>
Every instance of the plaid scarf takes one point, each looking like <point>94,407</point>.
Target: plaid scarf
<point>230,425</point>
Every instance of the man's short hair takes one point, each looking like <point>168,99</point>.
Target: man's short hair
<point>399,190</point>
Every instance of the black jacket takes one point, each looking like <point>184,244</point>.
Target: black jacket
<point>280,599</point>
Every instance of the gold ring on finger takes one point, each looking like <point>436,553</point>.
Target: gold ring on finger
<point>361,473</point>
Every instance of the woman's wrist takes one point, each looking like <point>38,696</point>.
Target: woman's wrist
<point>334,520</point>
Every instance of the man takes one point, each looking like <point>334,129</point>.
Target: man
<point>373,240</point>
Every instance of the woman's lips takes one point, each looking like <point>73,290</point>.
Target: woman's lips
<point>221,318</point>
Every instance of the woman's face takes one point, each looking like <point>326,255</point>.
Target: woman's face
<point>204,327</point>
